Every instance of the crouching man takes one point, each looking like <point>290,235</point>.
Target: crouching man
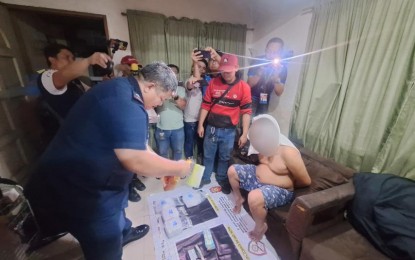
<point>271,183</point>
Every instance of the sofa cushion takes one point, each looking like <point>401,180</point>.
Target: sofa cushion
<point>339,242</point>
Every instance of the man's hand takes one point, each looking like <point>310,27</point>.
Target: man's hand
<point>196,56</point>
<point>191,82</point>
<point>213,54</point>
<point>186,165</point>
<point>201,131</point>
<point>99,58</point>
<point>242,140</point>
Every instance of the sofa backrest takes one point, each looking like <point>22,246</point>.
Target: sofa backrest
<point>324,173</point>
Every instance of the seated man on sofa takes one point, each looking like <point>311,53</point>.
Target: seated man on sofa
<point>271,183</point>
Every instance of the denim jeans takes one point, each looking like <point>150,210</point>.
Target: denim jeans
<point>221,141</point>
<point>191,137</point>
<point>173,139</point>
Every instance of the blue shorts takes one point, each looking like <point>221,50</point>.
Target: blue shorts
<point>274,196</point>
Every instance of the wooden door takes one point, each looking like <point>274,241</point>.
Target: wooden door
<point>20,142</point>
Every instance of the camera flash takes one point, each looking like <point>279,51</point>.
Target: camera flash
<point>276,61</point>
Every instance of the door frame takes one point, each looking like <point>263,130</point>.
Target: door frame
<point>102,17</point>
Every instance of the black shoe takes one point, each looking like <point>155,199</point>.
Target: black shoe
<point>203,183</point>
<point>226,187</point>
<point>133,195</point>
<point>139,185</point>
<point>135,234</point>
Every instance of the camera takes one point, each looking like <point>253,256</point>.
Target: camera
<point>206,54</point>
<point>116,45</point>
<point>100,71</point>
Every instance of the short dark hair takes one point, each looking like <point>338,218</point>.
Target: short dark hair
<point>52,50</point>
<point>174,66</point>
<point>275,40</point>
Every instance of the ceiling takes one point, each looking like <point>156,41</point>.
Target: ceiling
<point>265,15</point>
<point>263,10</point>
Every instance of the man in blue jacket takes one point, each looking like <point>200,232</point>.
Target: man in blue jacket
<point>81,183</point>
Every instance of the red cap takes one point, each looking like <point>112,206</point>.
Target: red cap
<point>129,60</point>
<point>228,62</point>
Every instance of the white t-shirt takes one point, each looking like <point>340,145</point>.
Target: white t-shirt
<point>47,82</point>
<point>194,99</point>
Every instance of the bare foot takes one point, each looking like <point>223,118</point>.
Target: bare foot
<point>238,205</point>
<point>258,232</point>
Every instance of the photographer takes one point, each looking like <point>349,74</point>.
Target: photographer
<point>195,89</point>
<point>267,78</point>
<point>59,85</point>
<point>213,62</point>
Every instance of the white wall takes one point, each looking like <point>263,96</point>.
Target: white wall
<point>294,33</point>
<point>117,24</point>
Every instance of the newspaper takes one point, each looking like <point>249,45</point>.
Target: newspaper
<point>190,224</point>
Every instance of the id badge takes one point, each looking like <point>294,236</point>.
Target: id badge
<point>263,98</point>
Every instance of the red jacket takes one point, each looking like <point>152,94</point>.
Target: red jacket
<point>226,112</point>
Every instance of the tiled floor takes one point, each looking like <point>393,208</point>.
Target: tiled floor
<point>67,248</point>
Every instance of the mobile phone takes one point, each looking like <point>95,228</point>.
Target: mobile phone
<point>206,54</point>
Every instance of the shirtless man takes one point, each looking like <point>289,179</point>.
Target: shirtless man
<point>271,183</point>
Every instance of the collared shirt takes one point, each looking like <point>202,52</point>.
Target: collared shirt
<point>226,112</point>
<point>79,174</point>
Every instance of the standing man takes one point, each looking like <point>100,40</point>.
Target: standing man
<point>81,182</point>
<point>126,67</point>
<point>267,78</point>
<point>170,128</point>
<point>59,85</point>
<point>226,98</point>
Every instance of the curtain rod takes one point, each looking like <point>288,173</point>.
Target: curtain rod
<point>248,29</point>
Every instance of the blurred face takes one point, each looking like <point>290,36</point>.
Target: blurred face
<point>229,76</point>
<point>264,137</point>
<point>154,96</point>
<point>175,72</point>
<point>202,67</point>
<point>125,69</point>
<point>213,65</point>
<point>64,58</point>
<point>273,50</point>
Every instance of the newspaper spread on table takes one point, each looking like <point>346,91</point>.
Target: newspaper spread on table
<point>190,224</point>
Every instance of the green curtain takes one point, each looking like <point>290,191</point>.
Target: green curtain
<point>226,37</point>
<point>148,41</point>
<point>182,36</point>
<point>356,99</point>
<point>155,37</point>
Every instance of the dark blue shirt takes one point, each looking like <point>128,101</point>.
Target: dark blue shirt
<point>268,70</point>
<point>79,174</point>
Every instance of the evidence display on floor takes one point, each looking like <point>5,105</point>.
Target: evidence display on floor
<point>190,224</point>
